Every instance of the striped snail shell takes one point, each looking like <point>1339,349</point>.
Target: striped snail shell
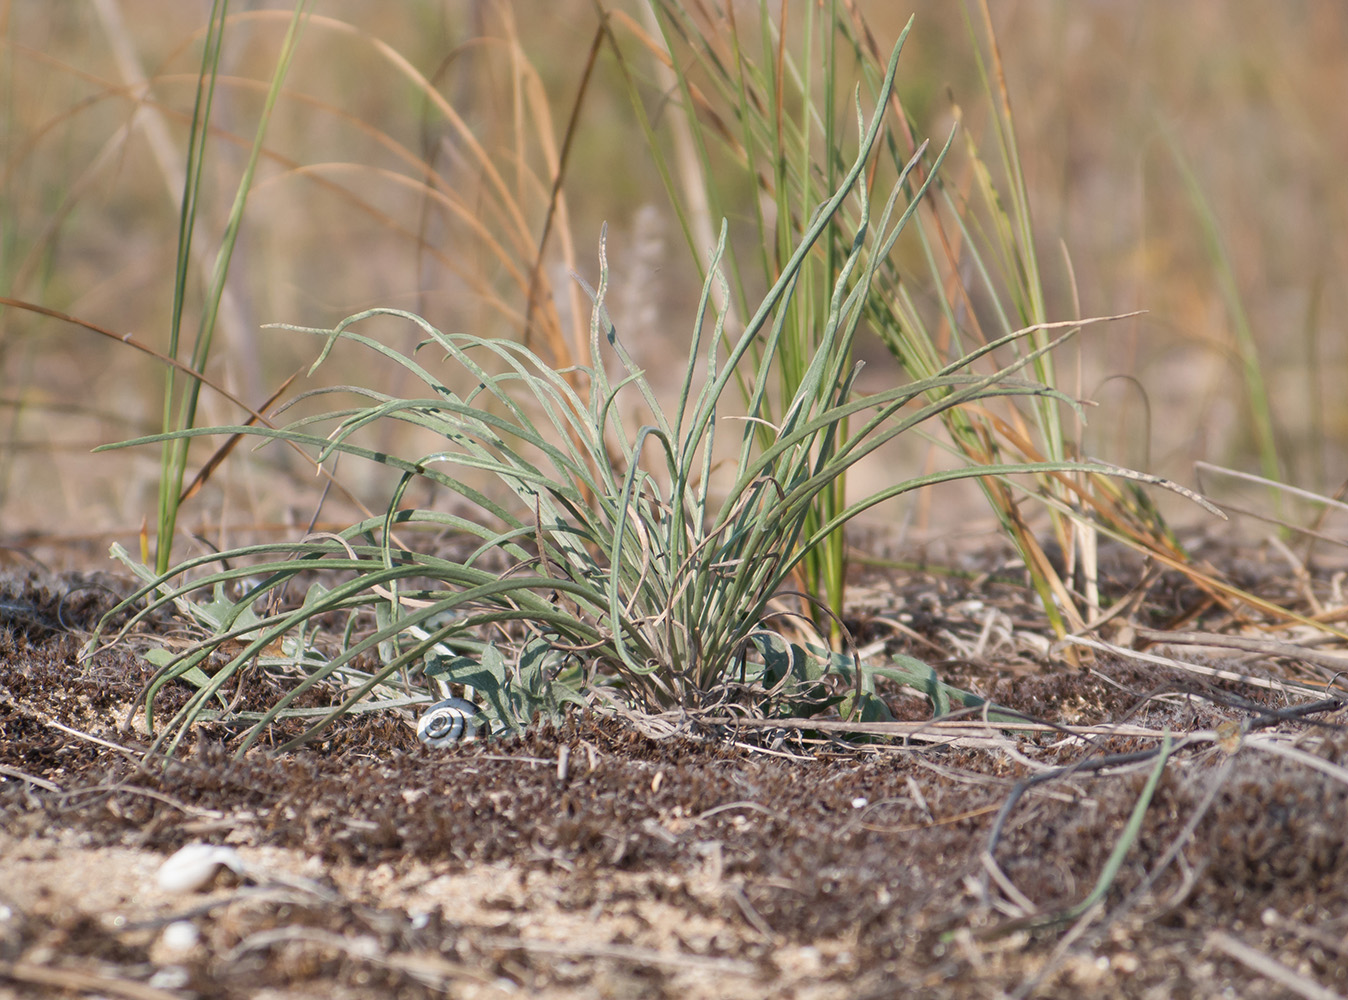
<point>447,722</point>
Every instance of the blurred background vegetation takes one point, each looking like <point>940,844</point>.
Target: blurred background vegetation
<point>1181,158</point>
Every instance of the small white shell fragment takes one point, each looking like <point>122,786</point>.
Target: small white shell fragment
<point>194,866</point>
<point>180,936</point>
<point>170,977</point>
<point>447,722</point>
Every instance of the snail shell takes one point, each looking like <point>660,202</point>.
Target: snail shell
<point>195,866</point>
<point>448,722</point>
<point>180,937</point>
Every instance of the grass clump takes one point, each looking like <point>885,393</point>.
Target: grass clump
<point>181,395</point>
<point>757,101</point>
<point>611,564</point>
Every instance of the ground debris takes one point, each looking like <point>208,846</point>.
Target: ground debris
<point>595,858</point>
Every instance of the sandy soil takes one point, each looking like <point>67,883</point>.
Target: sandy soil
<point>601,858</point>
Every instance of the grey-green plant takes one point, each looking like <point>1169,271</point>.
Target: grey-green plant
<point>618,560</point>
<point>765,103</point>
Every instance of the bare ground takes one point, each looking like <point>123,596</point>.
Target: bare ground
<point>609,857</point>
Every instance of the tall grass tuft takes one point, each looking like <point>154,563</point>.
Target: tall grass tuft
<point>982,270</point>
<point>610,564</point>
<point>758,133</point>
<point>181,396</point>
<point>758,137</point>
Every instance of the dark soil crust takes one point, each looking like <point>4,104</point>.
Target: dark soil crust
<point>596,859</point>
